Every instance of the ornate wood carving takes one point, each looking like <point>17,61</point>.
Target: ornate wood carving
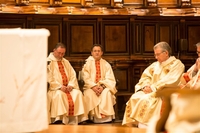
<point>115,37</point>
<point>81,35</point>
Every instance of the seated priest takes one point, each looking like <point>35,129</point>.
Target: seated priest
<point>162,74</point>
<point>100,87</point>
<point>181,114</point>
<point>65,100</point>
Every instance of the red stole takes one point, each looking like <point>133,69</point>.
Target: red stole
<point>98,71</point>
<point>65,83</point>
<point>186,77</point>
<point>98,76</point>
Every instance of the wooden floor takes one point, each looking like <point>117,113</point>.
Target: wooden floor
<point>93,128</point>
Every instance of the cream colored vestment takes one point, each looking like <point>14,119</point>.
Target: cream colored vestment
<point>103,104</point>
<point>141,107</point>
<point>58,107</point>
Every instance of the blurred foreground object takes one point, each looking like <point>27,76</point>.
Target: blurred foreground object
<point>181,113</point>
<point>23,80</point>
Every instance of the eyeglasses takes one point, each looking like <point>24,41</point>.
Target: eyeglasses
<point>60,53</point>
<point>158,54</point>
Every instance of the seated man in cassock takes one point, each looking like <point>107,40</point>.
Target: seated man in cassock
<point>99,88</point>
<point>182,113</point>
<point>162,74</point>
<point>65,100</point>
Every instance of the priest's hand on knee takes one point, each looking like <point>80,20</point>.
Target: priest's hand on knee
<point>147,89</point>
<point>96,90</point>
<point>100,89</point>
<point>69,88</point>
<point>63,88</point>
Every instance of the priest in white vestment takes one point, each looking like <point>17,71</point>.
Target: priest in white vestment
<point>99,88</point>
<point>162,74</point>
<point>65,100</point>
<point>181,114</point>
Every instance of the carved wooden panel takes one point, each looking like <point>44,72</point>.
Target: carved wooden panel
<point>195,1</point>
<point>135,37</point>
<point>136,75</point>
<point>164,33</point>
<point>137,72</point>
<point>81,35</point>
<point>39,1</point>
<point>175,33</point>
<point>71,1</point>
<point>149,37</point>
<point>120,106</point>
<point>193,30</point>
<point>12,23</point>
<point>63,1</point>
<point>133,2</point>
<point>122,74</point>
<point>103,2</point>
<point>167,2</point>
<point>115,37</point>
<point>55,29</point>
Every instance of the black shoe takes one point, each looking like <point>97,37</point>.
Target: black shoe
<point>83,123</point>
<point>58,122</point>
<point>108,122</point>
<point>89,121</point>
